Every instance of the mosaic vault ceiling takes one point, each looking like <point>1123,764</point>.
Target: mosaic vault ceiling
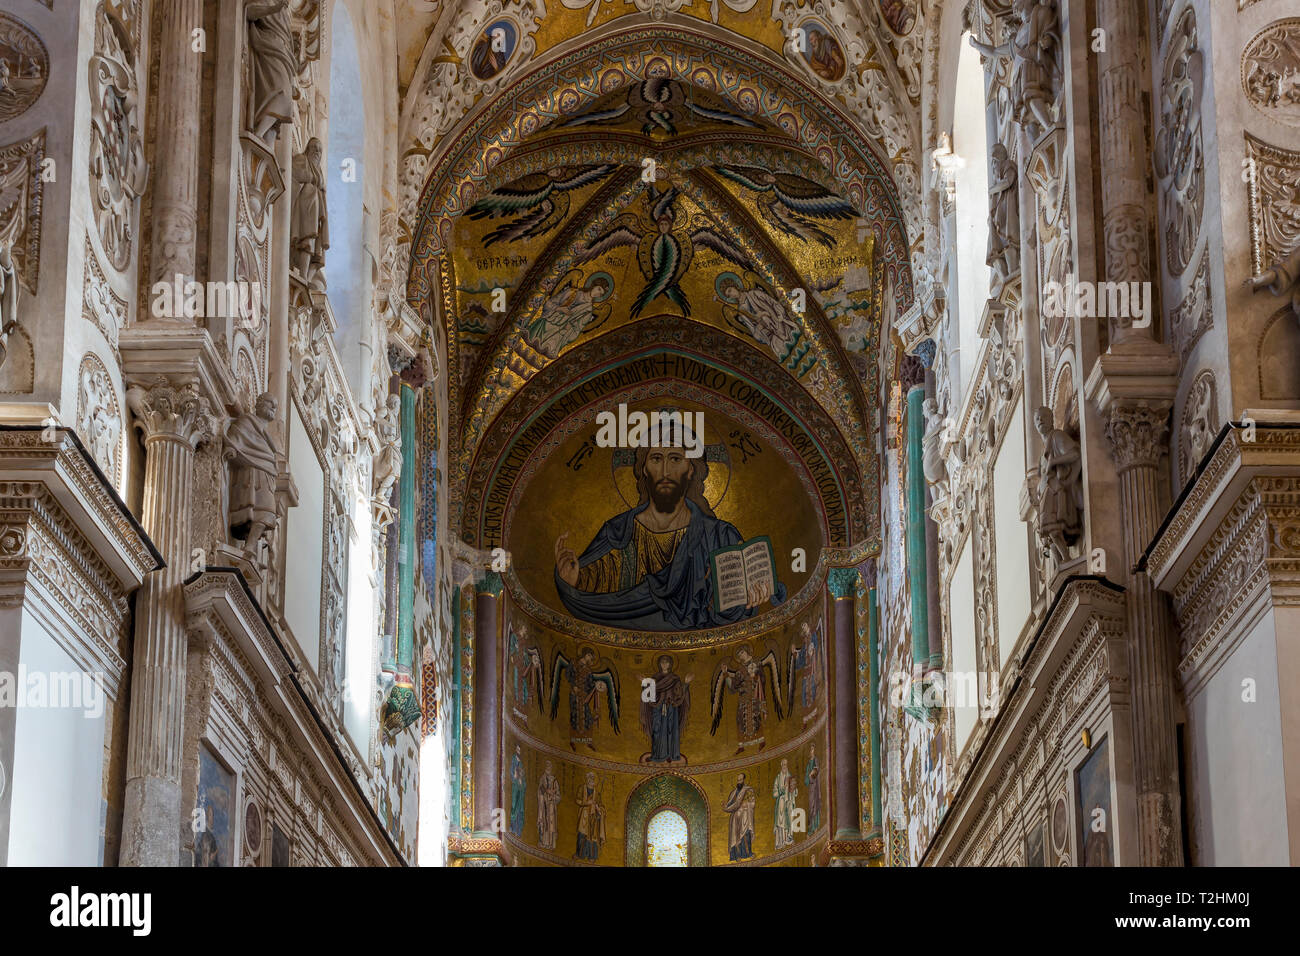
<point>657,185</point>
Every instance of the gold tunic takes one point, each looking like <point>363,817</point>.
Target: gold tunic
<point>647,553</point>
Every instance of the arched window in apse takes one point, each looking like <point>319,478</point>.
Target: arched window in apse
<point>666,839</point>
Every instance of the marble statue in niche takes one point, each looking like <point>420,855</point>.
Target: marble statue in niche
<point>1060,487</point>
<point>1004,219</point>
<point>388,465</point>
<point>254,456</point>
<point>270,39</point>
<point>311,235</point>
<point>932,445</point>
<point>1033,48</point>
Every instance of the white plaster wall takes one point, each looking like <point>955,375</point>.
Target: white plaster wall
<point>1013,578</point>
<point>305,548</point>
<point>57,769</point>
<point>345,271</point>
<point>1238,789</point>
<point>359,648</point>
<point>963,691</point>
<point>970,142</point>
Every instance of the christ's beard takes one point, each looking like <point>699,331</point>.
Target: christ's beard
<point>666,495</point>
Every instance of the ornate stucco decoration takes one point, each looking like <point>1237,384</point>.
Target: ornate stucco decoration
<point>25,69</point>
<point>118,170</point>
<point>1270,71</point>
<point>1178,155</point>
<point>21,191</point>
<point>99,415</point>
<point>1274,225</point>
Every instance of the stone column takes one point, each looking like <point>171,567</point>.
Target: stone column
<point>842,584</point>
<point>1137,430</point>
<point>173,420</point>
<point>487,695</point>
<point>179,115</point>
<point>1125,154</point>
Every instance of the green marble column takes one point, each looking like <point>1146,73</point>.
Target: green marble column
<point>403,707</point>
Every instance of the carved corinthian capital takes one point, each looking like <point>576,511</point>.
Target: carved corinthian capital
<point>1138,432</point>
<point>166,411</point>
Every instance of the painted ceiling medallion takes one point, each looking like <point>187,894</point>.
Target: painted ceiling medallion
<point>24,67</point>
<point>494,49</point>
<point>817,48</point>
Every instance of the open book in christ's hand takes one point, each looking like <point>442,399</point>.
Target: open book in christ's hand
<point>739,570</point>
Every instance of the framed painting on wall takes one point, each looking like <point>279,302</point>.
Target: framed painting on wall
<point>214,823</point>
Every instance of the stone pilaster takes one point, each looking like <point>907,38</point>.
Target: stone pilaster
<point>173,419</point>
<point>1126,222</point>
<point>176,175</point>
<point>487,695</point>
<point>842,584</point>
<point>1138,434</point>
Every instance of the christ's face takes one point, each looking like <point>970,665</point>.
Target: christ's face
<point>668,470</point>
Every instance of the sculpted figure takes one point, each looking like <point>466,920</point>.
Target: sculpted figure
<point>1060,489</point>
<point>932,463</point>
<point>1033,49</point>
<point>254,455</point>
<point>1004,216</point>
<point>271,40</point>
<point>8,284</point>
<point>311,235</point>
<point>388,465</point>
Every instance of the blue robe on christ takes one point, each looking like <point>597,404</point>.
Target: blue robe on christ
<point>678,597</point>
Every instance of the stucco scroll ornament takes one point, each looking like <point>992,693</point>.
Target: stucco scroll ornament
<point>1200,423</point>
<point>1034,48</point>
<point>99,422</point>
<point>270,39</point>
<point>1283,280</point>
<point>1060,487</point>
<point>1178,146</point>
<point>254,455</point>
<point>117,165</point>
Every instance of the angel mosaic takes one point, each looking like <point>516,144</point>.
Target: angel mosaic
<point>754,681</point>
<point>664,248</point>
<point>790,203</point>
<point>527,674</point>
<point>589,679</point>
<point>535,204</point>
